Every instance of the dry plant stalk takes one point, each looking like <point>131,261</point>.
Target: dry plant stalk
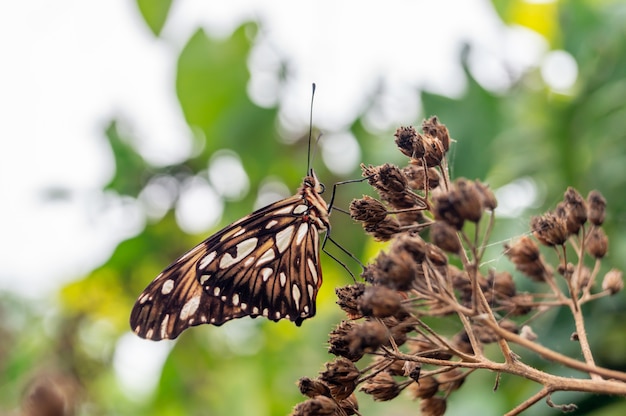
<point>414,280</point>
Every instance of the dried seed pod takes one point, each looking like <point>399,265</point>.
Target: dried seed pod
<point>406,140</point>
<point>433,128</point>
<point>433,150</point>
<point>549,229</point>
<point>444,236</point>
<point>368,337</point>
<point>524,253</point>
<point>319,406</point>
<point>445,209</point>
<point>467,200</point>
<point>596,207</point>
<point>597,243</point>
<point>433,406</point>
<point>424,388</point>
<point>349,405</point>
<point>575,210</point>
<point>368,210</point>
<point>340,376</point>
<point>613,281</point>
<point>382,387</point>
<point>339,341</point>
<point>383,230</point>
<point>348,298</point>
<point>502,283</point>
<point>418,176</point>
<point>487,197</point>
<point>312,388</point>
<point>395,270</point>
<point>379,302</point>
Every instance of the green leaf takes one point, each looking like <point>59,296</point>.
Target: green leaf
<point>154,12</point>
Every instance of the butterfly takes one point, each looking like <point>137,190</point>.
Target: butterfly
<point>266,264</point>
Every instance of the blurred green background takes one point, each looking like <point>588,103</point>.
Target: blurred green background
<point>527,133</point>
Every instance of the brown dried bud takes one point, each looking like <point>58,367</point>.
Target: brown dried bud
<point>575,209</point>
<point>312,388</point>
<point>444,236</point>
<point>580,276</point>
<point>350,405</point>
<point>368,337</point>
<point>417,179</point>
<point>433,406</point>
<point>387,178</point>
<point>524,253</point>
<point>382,387</point>
<point>383,230</point>
<point>596,207</point>
<point>340,376</point>
<point>487,197</point>
<point>379,302</point>
<point>424,388</point>
<point>434,151</point>
<point>452,380</point>
<point>348,298</point>
<point>412,244</point>
<point>319,406</point>
<point>502,283</point>
<point>368,210</point>
<point>440,131</point>
<point>468,200</point>
<point>436,255</point>
<point>396,270</point>
<point>528,333</point>
<point>597,243</point>
<point>444,209</point>
<point>549,229</point>
<point>339,341</point>
<point>406,138</point>
<point>613,281</point>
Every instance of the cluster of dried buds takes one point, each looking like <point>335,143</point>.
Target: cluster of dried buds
<point>414,279</point>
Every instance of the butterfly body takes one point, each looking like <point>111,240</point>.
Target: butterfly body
<point>265,264</point>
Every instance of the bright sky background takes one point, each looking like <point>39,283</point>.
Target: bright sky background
<point>70,66</point>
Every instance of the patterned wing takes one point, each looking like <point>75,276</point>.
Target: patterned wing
<point>264,264</point>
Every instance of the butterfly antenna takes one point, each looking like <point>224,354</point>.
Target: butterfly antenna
<point>308,162</point>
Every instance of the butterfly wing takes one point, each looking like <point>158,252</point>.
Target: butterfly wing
<point>264,264</point>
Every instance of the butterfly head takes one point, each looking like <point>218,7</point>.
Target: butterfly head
<point>313,183</point>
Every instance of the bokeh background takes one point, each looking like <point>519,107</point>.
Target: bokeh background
<point>131,130</point>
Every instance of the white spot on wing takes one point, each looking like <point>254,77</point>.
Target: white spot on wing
<point>167,287</point>
<point>286,210</point>
<point>190,307</point>
<point>269,255</point>
<point>270,224</point>
<point>249,261</point>
<point>164,323</point>
<point>302,230</point>
<point>283,238</point>
<point>244,306</point>
<point>242,250</point>
<point>300,209</point>
<point>144,298</point>
<point>312,269</point>
<point>311,290</point>
<point>266,272</point>
<point>295,291</point>
<point>283,279</point>
<point>266,312</point>
<point>235,299</point>
<point>206,260</point>
<point>204,278</point>
<point>216,291</point>
<point>255,310</point>
<point>148,334</point>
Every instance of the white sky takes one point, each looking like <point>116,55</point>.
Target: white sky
<point>70,66</point>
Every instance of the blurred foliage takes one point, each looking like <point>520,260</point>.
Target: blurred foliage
<point>250,366</point>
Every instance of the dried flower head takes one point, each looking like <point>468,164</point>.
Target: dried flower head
<point>445,237</point>
<point>348,299</point>
<point>549,229</point>
<point>383,230</point>
<point>487,197</point>
<point>319,406</point>
<point>596,206</point>
<point>340,376</point>
<point>424,388</point>
<point>524,253</point>
<point>433,128</point>
<point>368,337</point>
<point>395,270</point>
<point>368,210</point>
<point>339,341</point>
<point>597,243</point>
<point>433,406</point>
<point>406,140</point>
<point>382,387</point>
<point>421,178</point>
<point>613,281</point>
<point>575,210</point>
<point>312,388</point>
<point>379,302</point>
